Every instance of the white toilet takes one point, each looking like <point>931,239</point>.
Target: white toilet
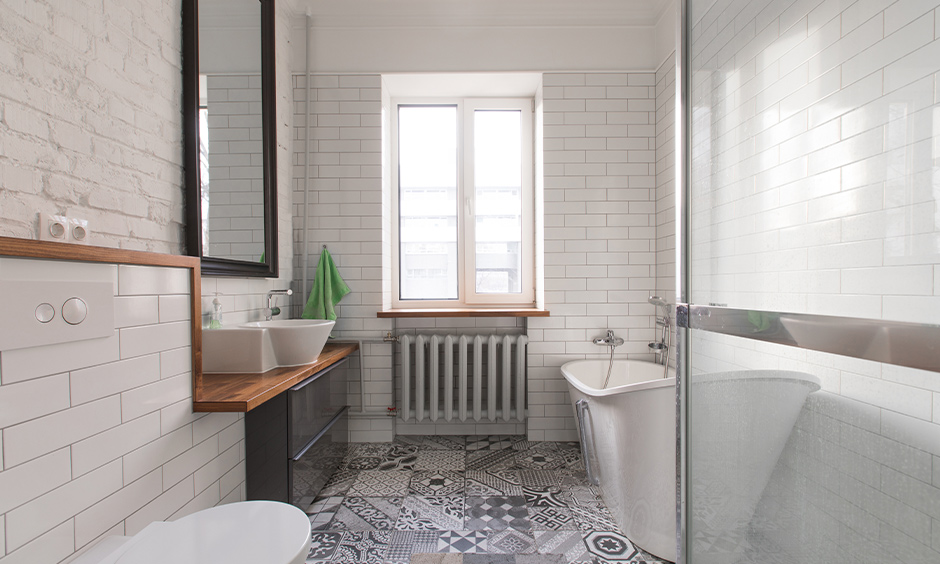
<point>247,532</point>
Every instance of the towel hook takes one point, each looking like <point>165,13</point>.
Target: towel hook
<point>324,247</point>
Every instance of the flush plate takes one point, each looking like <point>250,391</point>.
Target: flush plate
<point>32,312</point>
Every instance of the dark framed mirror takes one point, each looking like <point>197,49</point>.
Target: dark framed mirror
<point>230,136</point>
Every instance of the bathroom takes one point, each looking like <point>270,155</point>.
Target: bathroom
<point>812,180</point>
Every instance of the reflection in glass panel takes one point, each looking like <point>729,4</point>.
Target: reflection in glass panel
<point>498,194</point>
<point>814,189</point>
<point>427,173</point>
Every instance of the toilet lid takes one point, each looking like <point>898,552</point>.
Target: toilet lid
<point>247,532</point>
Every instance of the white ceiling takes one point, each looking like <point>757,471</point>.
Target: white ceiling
<point>404,13</point>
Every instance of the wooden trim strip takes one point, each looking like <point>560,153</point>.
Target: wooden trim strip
<point>29,248</point>
<point>464,312</point>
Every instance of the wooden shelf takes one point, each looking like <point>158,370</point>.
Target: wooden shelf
<point>464,312</point>
<point>244,392</point>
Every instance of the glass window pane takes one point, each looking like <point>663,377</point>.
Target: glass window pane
<point>498,193</point>
<point>427,205</point>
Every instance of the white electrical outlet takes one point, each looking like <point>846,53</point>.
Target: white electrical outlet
<point>53,227</point>
<point>78,230</point>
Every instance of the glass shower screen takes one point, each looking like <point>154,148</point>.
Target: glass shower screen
<point>812,218</point>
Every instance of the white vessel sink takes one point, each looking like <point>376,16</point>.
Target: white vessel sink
<point>295,341</point>
<point>237,349</point>
<point>257,347</point>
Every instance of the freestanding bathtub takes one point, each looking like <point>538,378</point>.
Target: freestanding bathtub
<point>740,430</point>
<point>632,435</point>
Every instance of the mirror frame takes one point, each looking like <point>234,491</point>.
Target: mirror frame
<point>215,266</point>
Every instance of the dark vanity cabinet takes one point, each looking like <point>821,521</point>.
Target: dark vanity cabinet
<point>296,440</point>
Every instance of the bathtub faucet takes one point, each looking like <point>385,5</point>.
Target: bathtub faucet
<point>609,341</point>
<point>661,347</point>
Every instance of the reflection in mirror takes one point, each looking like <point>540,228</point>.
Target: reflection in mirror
<point>230,158</point>
<point>233,223</point>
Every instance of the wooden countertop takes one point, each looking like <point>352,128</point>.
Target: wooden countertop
<point>244,392</point>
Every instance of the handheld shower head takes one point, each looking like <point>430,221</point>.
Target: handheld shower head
<point>657,301</point>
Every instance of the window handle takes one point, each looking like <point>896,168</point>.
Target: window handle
<point>468,207</point>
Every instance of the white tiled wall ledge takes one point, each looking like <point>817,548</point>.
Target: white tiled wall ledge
<point>99,437</point>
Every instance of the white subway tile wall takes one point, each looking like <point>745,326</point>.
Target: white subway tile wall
<point>814,127</point>
<point>92,122</point>
<point>666,180</point>
<point>236,204</point>
<point>344,207</point>
<point>834,199</point>
<point>600,196</point>
<point>106,442</point>
<point>600,230</point>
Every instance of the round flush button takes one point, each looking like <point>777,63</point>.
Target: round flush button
<point>45,313</point>
<point>74,311</point>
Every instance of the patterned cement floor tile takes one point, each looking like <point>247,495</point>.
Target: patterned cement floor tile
<point>440,460</point>
<point>322,510</point>
<point>552,519</point>
<point>380,483</point>
<point>401,546</point>
<point>363,463</point>
<point>437,483</point>
<point>433,442</point>
<point>541,559</point>
<point>594,517</point>
<point>569,544</point>
<point>323,546</point>
<point>609,546</point>
<point>497,513</point>
<point>366,514</point>
<point>489,559</point>
<point>492,442</point>
<point>579,495</point>
<point>465,542</point>
<point>541,478</point>
<point>511,541</point>
<point>491,460</point>
<point>362,547</point>
<point>547,496</point>
<point>435,558</point>
<point>438,513</point>
<point>400,457</point>
<point>539,459</point>
<point>482,483</point>
<point>339,483</point>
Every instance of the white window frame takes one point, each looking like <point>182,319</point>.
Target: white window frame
<point>467,296</point>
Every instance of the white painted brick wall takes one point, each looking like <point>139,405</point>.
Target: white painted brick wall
<point>813,158</point>
<point>600,231</point>
<point>99,436</point>
<point>90,120</point>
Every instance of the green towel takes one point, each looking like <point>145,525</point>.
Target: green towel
<point>328,290</point>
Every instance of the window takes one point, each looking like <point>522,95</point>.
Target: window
<point>463,181</point>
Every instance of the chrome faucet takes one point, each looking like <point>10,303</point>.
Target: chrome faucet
<point>272,309</point>
<point>661,347</point>
<point>609,341</point>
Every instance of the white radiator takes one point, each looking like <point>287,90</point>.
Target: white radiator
<point>428,385</point>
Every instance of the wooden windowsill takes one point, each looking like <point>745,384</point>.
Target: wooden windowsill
<point>464,312</point>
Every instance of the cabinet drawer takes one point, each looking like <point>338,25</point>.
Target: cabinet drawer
<point>313,403</point>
